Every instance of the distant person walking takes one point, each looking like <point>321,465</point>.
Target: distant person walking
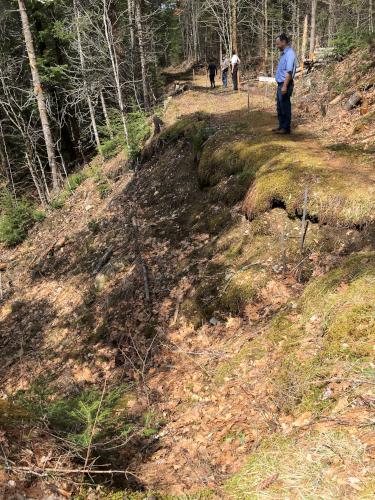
<point>235,62</point>
<point>224,71</point>
<point>286,71</point>
<point>212,71</point>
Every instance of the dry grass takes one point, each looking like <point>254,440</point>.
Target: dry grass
<point>325,465</point>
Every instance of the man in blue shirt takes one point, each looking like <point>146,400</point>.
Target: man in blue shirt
<point>285,74</point>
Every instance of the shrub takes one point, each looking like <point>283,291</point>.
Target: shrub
<point>138,131</point>
<point>348,39</point>
<point>16,218</point>
<point>73,181</point>
<point>75,418</point>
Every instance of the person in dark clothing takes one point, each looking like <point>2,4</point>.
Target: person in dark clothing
<point>235,62</point>
<point>212,71</point>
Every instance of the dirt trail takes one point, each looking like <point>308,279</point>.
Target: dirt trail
<point>207,366</point>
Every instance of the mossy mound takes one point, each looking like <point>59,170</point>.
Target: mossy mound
<point>313,466</point>
<point>195,129</point>
<point>242,289</point>
<point>337,195</point>
<point>342,304</point>
<point>224,156</point>
<point>331,336</point>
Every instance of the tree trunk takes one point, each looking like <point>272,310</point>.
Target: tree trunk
<point>131,22</point>
<point>138,20</point>
<point>39,94</point>
<point>115,67</point>
<point>313,28</point>
<point>4,159</point>
<point>234,24</point>
<point>105,112</point>
<point>304,41</point>
<point>265,37</point>
<point>331,21</point>
<point>85,86</point>
<point>371,16</point>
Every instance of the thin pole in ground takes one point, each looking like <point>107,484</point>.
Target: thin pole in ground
<point>304,223</point>
<point>248,96</point>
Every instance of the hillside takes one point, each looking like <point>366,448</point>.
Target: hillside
<point>187,325</point>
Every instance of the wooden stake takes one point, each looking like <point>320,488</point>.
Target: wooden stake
<point>303,224</point>
<point>248,97</point>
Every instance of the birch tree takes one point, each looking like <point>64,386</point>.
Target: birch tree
<point>39,94</point>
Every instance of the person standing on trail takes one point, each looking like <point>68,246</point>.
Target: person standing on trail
<point>286,71</point>
<point>212,71</point>
<point>224,71</point>
<point>235,62</point>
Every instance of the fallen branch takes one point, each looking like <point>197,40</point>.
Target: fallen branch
<point>141,262</point>
<point>104,260</point>
<point>50,470</point>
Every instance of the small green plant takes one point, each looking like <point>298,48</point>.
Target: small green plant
<point>16,218</point>
<point>94,226</point>
<point>104,188</point>
<point>73,181</point>
<point>90,416</point>
<point>113,141</point>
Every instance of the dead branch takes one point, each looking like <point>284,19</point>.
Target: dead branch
<point>50,470</point>
<point>103,260</point>
<point>141,263</point>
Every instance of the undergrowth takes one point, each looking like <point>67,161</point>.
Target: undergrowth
<point>17,216</point>
<point>113,141</point>
<point>91,415</point>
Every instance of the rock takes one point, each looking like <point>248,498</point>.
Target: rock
<point>100,281</point>
<point>353,101</point>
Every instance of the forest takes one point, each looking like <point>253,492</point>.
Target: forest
<point>78,78</point>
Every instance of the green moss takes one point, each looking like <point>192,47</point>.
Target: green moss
<point>242,289</point>
<point>227,368</point>
<point>223,157</point>
<point>195,129</point>
<point>203,494</point>
<point>339,196</point>
<point>344,302</point>
<point>297,384</point>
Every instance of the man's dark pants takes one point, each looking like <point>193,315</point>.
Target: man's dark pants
<point>235,78</point>
<point>225,78</point>
<point>284,106</point>
<point>212,80</point>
